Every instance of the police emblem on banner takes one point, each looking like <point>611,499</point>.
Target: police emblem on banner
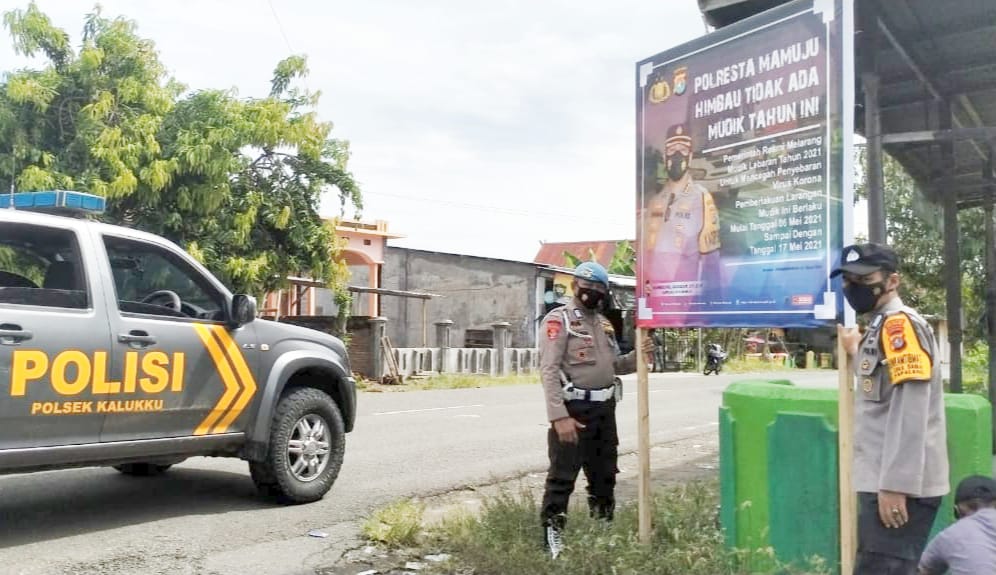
<point>660,91</point>
<point>679,81</point>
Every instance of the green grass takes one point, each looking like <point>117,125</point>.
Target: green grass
<point>506,538</point>
<point>755,366</point>
<point>395,526</point>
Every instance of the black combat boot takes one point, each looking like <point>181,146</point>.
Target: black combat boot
<point>600,508</point>
<point>553,534</point>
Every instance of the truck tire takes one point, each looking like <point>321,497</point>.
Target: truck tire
<point>307,443</point>
<point>143,469</point>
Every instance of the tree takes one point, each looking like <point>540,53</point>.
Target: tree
<point>913,231</point>
<point>236,181</point>
<point>623,260</point>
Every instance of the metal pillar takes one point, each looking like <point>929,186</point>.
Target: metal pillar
<point>952,259</point>
<point>378,326</point>
<point>443,342</point>
<point>873,160</point>
<point>991,286</point>
<point>873,125</point>
<point>500,328</point>
<point>699,366</point>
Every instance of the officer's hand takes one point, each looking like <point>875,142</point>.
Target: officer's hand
<point>567,429</point>
<point>851,338</point>
<point>648,347</point>
<point>892,509</point>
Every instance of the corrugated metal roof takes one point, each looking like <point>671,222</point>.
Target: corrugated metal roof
<point>953,42</point>
<point>552,253</point>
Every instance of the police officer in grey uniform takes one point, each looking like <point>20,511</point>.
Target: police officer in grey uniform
<point>579,359</point>
<point>900,446</point>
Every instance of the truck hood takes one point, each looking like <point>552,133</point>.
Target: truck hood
<point>276,333</point>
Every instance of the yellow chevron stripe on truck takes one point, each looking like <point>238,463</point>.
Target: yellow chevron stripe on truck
<point>215,422</point>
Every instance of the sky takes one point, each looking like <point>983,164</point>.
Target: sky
<point>480,128</point>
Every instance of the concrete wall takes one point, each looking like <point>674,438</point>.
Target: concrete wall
<point>478,361</point>
<point>477,292</point>
<point>792,492</point>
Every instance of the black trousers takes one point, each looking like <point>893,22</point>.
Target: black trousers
<point>596,452</point>
<point>884,551</point>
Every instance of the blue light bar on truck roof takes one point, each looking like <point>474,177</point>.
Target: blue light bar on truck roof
<point>60,202</point>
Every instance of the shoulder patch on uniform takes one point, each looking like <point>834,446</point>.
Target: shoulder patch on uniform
<point>709,234</point>
<point>553,327</point>
<point>904,355</point>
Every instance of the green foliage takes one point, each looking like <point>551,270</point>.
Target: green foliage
<point>572,261</point>
<point>623,260</point>
<point>17,261</point>
<point>397,525</point>
<point>236,181</point>
<point>505,538</point>
<point>913,230</point>
<point>975,369</point>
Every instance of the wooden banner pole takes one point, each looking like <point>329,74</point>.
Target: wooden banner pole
<point>643,416</point>
<point>845,439</point>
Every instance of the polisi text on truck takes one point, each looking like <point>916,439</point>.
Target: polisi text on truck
<point>73,372</point>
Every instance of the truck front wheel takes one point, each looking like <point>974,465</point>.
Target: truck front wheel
<point>307,442</point>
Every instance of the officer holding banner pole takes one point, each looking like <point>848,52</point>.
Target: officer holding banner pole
<point>900,466</point>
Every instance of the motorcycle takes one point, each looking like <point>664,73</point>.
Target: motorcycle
<point>714,359</point>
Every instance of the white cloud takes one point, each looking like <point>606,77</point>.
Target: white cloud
<point>475,127</point>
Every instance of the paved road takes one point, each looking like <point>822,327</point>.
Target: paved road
<point>204,517</point>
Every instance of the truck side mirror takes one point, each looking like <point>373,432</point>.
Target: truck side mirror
<point>243,310</point>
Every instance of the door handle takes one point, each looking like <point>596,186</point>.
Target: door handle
<point>11,334</point>
<point>137,338</point>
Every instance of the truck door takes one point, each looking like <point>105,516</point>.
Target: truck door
<point>183,372</point>
<point>54,337</point>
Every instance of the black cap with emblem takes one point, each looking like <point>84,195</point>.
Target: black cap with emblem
<point>863,259</point>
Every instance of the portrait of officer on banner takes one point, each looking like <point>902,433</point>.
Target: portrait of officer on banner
<point>681,221</point>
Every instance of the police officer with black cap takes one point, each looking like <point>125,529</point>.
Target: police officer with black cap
<point>900,446</point>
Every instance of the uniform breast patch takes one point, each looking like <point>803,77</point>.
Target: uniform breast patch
<point>905,356</point>
<point>607,327</point>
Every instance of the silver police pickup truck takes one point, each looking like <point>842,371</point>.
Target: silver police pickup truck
<point>119,349</point>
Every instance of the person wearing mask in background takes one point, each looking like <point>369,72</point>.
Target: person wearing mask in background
<point>900,441</point>
<point>579,361</point>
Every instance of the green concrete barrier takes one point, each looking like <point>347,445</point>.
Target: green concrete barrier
<point>778,466</point>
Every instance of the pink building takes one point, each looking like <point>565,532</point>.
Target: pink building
<point>363,252</point>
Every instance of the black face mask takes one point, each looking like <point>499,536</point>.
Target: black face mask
<point>863,297</point>
<point>590,298</point>
<point>677,165</point>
